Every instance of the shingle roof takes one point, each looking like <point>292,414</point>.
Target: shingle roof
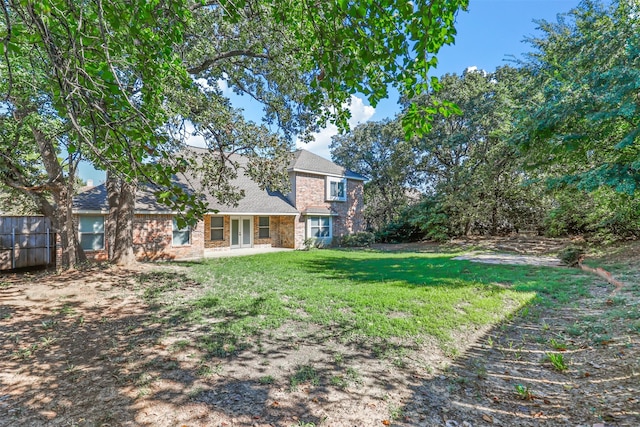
<point>95,199</point>
<point>255,201</point>
<point>306,161</point>
<point>92,199</point>
<point>317,210</point>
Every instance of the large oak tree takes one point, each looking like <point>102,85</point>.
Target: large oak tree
<point>123,78</point>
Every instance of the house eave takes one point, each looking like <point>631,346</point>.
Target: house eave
<point>254,213</point>
<point>90,211</point>
<point>326,174</point>
<point>138,212</point>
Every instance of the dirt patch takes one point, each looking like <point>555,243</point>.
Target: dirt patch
<point>511,259</point>
<point>519,244</point>
<point>85,348</point>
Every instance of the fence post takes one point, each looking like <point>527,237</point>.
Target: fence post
<point>13,249</point>
<point>48,249</point>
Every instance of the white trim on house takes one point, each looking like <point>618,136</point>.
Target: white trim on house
<point>218,228</point>
<point>253,213</point>
<point>91,212</point>
<point>106,212</point>
<point>312,213</point>
<point>262,227</point>
<point>327,174</point>
<point>184,231</point>
<point>95,232</point>
<point>328,190</point>
<point>240,232</point>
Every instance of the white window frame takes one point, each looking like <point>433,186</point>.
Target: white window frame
<point>211,228</point>
<point>263,227</point>
<point>310,227</point>
<point>338,181</point>
<point>175,229</point>
<point>93,232</point>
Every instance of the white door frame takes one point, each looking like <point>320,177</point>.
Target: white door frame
<point>243,242</point>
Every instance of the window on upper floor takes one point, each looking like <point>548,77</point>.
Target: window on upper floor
<point>336,189</point>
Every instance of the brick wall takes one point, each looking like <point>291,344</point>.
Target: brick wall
<point>217,244</point>
<point>287,232</point>
<point>153,239</point>
<point>310,191</point>
<point>281,233</point>
<point>300,231</point>
<point>350,217</point>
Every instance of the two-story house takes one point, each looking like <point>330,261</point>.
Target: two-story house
<point>325,202</point>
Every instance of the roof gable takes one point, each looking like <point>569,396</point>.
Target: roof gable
<point>306,161</point>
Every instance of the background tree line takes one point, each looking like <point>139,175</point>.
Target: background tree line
<point>550,144</point>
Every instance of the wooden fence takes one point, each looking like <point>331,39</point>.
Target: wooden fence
<point>26,241</point>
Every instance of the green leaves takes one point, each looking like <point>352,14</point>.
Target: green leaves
<point>117,75</point>
<point>587,67</point>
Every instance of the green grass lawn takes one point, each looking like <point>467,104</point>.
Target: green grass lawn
<point>355,293</point>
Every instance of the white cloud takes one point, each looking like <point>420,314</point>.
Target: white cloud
<point>223,86</point>
<point>221,83</point>
<point>360,113</point>
<point>187,134</point>
<point>475,69</point>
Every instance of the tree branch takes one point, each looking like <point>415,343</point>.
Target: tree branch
<point>230,54</point>
<point>6,49</point>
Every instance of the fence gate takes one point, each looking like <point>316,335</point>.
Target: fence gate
<point>26,241</point>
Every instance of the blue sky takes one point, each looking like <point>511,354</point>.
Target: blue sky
<point>489,33</point>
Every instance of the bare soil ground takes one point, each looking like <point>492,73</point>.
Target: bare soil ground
<point>83,348</point>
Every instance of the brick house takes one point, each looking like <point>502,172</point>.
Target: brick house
<point>325,202</point>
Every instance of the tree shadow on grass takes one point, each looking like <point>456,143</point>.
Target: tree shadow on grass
<point>419,271</point>
<point>506,377</point>
<point>118,361</point>
<point>66,361</point>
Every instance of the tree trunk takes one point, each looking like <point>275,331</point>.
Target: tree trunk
<point>119,229</point>
<point>494,212</point>
<point>62,190</point>
<point>467,227</point>
<point>72,252</point>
